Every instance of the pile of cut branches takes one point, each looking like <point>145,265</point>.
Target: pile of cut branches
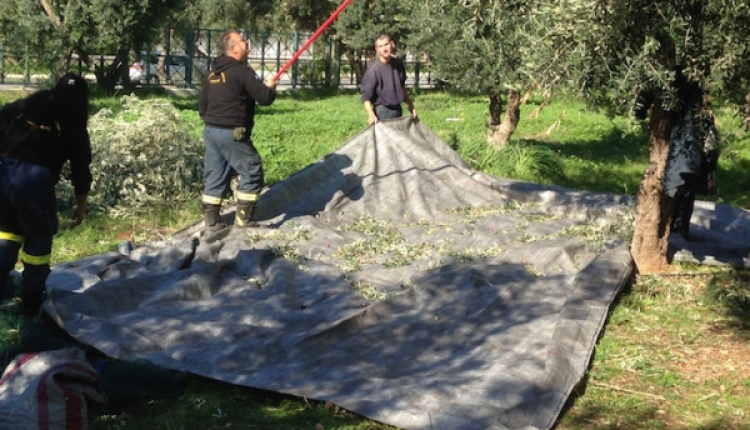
<point>143,157</point>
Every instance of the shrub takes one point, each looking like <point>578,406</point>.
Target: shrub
<point>517,160</point>
<point>143,156</point>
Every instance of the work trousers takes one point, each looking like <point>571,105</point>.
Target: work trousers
<point>684,202</point>
<point>388,112</point>
<point>28,221</point>
<point>225,156</point>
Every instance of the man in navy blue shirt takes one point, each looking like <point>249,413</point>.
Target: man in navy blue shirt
<point>384,84</point>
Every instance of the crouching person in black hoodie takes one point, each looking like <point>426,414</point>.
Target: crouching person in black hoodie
<point>38,135</point>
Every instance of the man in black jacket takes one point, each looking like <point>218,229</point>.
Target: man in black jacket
<point>227,107</point>
<point>38,135</point>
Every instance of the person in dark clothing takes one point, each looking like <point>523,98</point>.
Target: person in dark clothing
<point>692,162</point>
<point>227,107</point>
<point>38,135</point>
<point>693,152</point>
<point>384,84</point>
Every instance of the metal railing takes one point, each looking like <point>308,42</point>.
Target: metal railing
<point>184,58</point>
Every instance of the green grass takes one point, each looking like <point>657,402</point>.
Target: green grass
<point>209,405</point>
<point>674,353</point>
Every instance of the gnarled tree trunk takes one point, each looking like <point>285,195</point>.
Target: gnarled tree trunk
<point>107,75</point>
<point>654,209</point>
<point>356,66</point>
<point>66,50</point>
<point>499,133</point>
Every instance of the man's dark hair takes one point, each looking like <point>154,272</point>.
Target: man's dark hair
<point>382,37</point>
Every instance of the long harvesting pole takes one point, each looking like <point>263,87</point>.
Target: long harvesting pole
<point>312,38</point>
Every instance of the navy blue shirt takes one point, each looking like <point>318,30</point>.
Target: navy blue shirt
<point>383,84</point>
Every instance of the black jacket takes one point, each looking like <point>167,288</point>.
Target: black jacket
<point>44,129</point>
<point>229,95</point>
<point>693,146</point>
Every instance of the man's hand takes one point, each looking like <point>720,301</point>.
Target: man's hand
<point>80,213</point>
<point>372,118</point>
<point>413,111</point>
<point>271,83</point>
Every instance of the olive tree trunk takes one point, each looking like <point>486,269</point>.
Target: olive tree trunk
<point>654,209</point>
<point>107,75</point>
<point>353,62</point>
<point>499,133</point>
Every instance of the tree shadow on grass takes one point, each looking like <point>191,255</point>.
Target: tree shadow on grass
<point>731,291</point>
<point>633,409</point>
<point>597,165</point>
<point>601,164</point>
<point>631,414</point>
<point>208,403</point>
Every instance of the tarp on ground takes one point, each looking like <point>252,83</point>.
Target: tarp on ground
<point>388,278</point>
<point>719,236</point>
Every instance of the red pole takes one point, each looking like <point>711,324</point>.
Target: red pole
<point>312,38</point>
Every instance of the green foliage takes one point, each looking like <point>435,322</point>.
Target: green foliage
<point>621,48</point>
<point>24,28</point>
<point>225,14</point>
<point>305,14</point>
<point>731,290</point>
<point>518,160</point>
<point>487,46</point>
<point>363,21</point>
<point>474,44</point>
<point>110,25</point>
<point>82,27</point>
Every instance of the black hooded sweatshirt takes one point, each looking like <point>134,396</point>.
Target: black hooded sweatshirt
<point>229,95</point>
<point>48,128</point>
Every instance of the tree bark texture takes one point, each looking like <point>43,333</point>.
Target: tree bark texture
<point>52,14</point>
<point>108,75</point>
<point>66,51</point>
<point>653,208</point>
<point>355,65</point>
<point>499,133</point>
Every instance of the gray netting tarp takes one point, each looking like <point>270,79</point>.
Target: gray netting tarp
<point>719,236</point>
<point>389,279</point>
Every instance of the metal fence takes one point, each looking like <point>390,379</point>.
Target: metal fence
<point>183,59</point>
<point>18,65</point>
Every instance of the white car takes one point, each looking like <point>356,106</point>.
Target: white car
<point>139,74</point>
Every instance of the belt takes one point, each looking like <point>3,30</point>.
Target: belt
<point>391,107</point>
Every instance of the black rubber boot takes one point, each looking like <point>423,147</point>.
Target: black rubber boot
<point>6,290</point>
<point>31,303</point>
<point>684,204</point>
<point>244,214</point>
<point>213,219</point>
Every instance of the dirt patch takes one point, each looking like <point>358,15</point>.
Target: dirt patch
<point>671,357</point>
<point>727,357</point>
